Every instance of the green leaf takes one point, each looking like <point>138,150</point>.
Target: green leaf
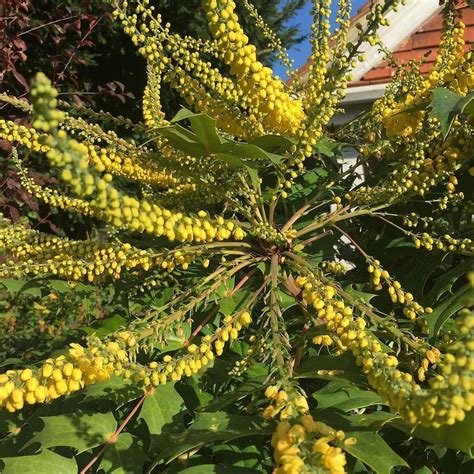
<point>78,430</point>
<point>230,304</point>
<point>345,397</point>
<point>370,448</point>
<point>444,283</point>
<point>415,270</point>
<point>210,427</point>
<point>327,147</point>
<point>115,390</point>
<point>203,126</point>
<point>60,286</point>
<point>273,143</point>
<point>183,139</point>
<point>217,469</point>
<point>446,309</point>
<point>162,412</point>
<point>12,361</point>
<point>358,294</point>
<point>245,150</point>
<point>286,301</point>
<point>125,456</point>
<point>182,114</point>
<point>373,451</point>
<point>205,129</point>
<point>44,462</point>
<point>105,326</point>
<point>206,135</point>
<point>344,364</point>
<point>244,389</point>
<point>235,161</point>
<point>29,287</point>
<point>446,105</point>
<point>459,436</point>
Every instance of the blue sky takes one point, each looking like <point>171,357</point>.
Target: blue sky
<point>303,20</point>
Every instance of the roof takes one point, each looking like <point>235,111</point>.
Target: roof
<point>424,43</point>
<point>414,32</point>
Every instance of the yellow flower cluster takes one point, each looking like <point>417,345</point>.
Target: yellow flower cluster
<point>270,234</point>
<point>449,394</point>
<point>336,268</point>
<point>452,67</point>
<point>287,405</point>
<point>429,160</point>
<point>411,309</point>
<point>109,204</point>
<point>198,357</point>
<point>274,42</point>
<point>432,356</point>
<point>35,253</point>
<point>317,297</point>
<point>256,349</point>
<point>323,340</point>
<point>415,220</point>
<point>56,377</point>
<point>176,60</point>
<point>54,197</point>
<point>124,158</point>
<point>100,359</point>
<point>105,159</point>
<point>263,95</point>
<point>23,135</point>
<point>445,243</point>
<point>303,444</point>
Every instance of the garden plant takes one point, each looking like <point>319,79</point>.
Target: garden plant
<point>245,301</point>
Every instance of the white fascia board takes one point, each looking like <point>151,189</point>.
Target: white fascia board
<point>362,94</point>
<point>403,24</point>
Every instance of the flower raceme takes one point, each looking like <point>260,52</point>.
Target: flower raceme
<point>100,359</point>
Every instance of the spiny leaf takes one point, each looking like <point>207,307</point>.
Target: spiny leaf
<point>218,469</point>
<point>210,427</point>
<point>125,456</point>
<point>205,132</point>
<point>246,388</point>
<point>444,283</point>
<point>328,147</point>
<point>273,143</point>
<point>79,430</point>
<point>44,462</point>
<point>31,287</point>
<point>162,412</point>
<point>203,126</point>
<point>345,397</point>
<point>370,448</point>
<point>446,105</point>
<point>183,139</point>
<point>344,365</point>
<point>459,436</point>
<point>446,309</point>
<point>358,294</point>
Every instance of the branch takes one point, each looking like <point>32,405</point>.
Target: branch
<point>275,311</point>
<point>114,437</point>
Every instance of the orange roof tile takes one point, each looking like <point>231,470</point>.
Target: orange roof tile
<point>424,43</point>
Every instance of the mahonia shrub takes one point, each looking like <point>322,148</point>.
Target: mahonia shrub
<point>279,315</point>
